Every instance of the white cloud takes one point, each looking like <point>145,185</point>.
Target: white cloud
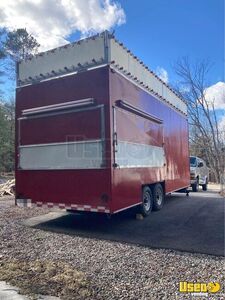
<point>162,74</point>
<point>52,21</point>
<point>216,94</point>
<point>222,122</point>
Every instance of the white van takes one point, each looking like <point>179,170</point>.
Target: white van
<point>199,173</point>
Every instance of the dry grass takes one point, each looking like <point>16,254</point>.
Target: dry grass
<point>45,278</point>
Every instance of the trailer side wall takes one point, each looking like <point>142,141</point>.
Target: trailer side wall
<point>174,173</point>
<point>60,182</point>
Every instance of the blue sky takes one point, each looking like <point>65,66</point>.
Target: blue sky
<point>158,31</point>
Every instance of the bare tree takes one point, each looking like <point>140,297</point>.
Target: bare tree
<point>2,57</point>
<point>14,45</point>
<point>206,136</point>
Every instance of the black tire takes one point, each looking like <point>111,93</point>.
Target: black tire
<point>147,201</point>
<point>205,186</point>
<point>71,211</point>
<point>195,186</point>
<point>158,197</point>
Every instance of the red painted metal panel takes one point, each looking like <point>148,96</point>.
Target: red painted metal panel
<point>133,128</point>
<point>127,182</point>
<point>76,126</point>
<point>82,187</point>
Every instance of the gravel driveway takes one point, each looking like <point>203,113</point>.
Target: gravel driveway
<point>113,270</point>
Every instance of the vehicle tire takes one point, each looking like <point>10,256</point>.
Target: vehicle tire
<point>205,186</point>
<point>147,201</point>
<point>195,186</point>
<point>158,197</point>
<point>71,211</point>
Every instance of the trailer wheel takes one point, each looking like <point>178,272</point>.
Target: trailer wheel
<point>147,201</point>
<point>158,197</point>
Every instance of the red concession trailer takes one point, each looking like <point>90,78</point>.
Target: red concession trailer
<point>97,131</point>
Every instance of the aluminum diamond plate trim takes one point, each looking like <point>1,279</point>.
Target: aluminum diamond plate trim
<point>28,203</point>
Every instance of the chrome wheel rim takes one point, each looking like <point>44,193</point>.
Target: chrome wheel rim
<point>159,197</point>
<point>147,201</point>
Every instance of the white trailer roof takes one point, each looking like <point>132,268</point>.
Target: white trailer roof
<point>99,50</point>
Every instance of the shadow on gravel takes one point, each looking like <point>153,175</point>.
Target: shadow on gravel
<point>191,224</point>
